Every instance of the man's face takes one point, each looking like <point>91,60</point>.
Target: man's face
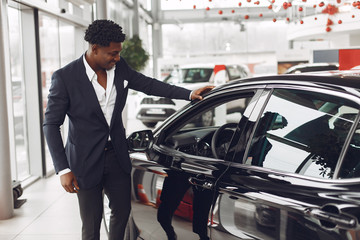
<point>107,57</point>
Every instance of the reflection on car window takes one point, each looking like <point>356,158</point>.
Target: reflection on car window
<point>302,133</point>
<point>196,135</point>
<point>351,165</point>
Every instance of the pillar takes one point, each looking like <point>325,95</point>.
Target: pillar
<point>101,9</point>
<point>6,195</point>
<point>156,35</point>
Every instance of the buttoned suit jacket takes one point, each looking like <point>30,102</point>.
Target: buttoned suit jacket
<point>72,94</point>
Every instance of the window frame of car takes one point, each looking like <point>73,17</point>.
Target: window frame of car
<point>214,98</point>
<point>315,88</point>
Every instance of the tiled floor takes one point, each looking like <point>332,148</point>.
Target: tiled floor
<point>48,214</point>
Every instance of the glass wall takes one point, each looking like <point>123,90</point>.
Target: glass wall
<point>57,48</point>
<point>18,96</point>
<point>50,61</point>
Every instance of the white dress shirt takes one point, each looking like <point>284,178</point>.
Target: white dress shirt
<point>106,97</point>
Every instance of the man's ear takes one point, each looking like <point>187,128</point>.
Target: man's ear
<point>94,48</point>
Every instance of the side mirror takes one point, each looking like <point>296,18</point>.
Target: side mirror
<point>140,141</point>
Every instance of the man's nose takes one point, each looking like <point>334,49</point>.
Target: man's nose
<point>117,58</point>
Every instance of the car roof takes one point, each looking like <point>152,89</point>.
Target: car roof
<point>336,78</point>
<point>313,67</point>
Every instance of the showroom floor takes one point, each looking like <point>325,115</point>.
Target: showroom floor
<point>49,213</point>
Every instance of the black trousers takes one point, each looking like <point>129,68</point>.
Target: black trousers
<point>117,186</point>
<point>174,188</point>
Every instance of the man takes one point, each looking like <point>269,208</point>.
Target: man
<point>92,92</point>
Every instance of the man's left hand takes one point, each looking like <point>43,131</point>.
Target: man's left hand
<point>197,94</point>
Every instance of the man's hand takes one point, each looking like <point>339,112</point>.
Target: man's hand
<point>197,94</point>
<point>69,183</point>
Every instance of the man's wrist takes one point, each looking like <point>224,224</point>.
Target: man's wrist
<point>64,171</point>
<point>191,94</point>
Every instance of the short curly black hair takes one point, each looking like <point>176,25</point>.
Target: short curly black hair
<point>102,32</point>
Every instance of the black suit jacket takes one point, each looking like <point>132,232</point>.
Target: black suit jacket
<point>72,94</point>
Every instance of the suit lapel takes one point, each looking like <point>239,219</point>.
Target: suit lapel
<point>88,91</point>
<point>120,91</point>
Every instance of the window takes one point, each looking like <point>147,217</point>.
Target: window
<point>18,96</point>
<point>208,132</point>
<point>57,48</point>
<point>189,75</point>
<point>236,72</point>
<point>302,132</point>
<point>351,165</point>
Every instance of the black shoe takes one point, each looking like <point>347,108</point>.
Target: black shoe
<point>204,238</point>
<point>174,237</point>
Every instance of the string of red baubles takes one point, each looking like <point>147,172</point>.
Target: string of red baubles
<point>329,9</point>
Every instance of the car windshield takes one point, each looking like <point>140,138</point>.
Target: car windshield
<point>302,133</point>
<point>189,75</point>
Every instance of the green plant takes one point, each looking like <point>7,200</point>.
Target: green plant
<point>134,54</point>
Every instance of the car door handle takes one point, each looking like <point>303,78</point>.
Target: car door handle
<point>332,219</point>
<point>201,182</point>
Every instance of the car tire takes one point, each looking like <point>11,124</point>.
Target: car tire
<point>150,124</point>
<point>131,231</point>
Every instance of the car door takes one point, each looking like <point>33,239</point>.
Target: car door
<point>183,146</point>
<point>295,173</point>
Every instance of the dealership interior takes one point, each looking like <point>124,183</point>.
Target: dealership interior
<point>37,37</point>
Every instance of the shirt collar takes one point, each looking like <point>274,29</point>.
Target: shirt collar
<point>89,71</point>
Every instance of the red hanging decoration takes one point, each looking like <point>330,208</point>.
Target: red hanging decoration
<point>315,18</point>
<point>338,1</point>
<point>353,16</point>
<point>328,29</point>
<point>301,22</point>
<point>246,16</point>
<point>260,15</point>
<point>329,22</point>
<point>233,11</point>
<point>274,19</point>
<point>257,2</point>
<point>321,4</point>
<point>194,7</point>
<point>239,4</point>
<point>220,12</point>
<point>300,9</point>
<point>288,19</point>
<point>340,21</point>
<point>207,8</point>
<point>270,7</point>
<point>314,6</point>
<point>285,5</point>
<point>356,4</point>
<point>330,9</point>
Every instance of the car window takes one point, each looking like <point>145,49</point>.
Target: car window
<point>351,164</point>
<point>189,75</point>
<point>196,75</point>
<point>302,132</point>
<point>195,135</point>
<point>236,72</point>
<point>173,77</point>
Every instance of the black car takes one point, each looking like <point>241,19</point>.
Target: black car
<point>286,167</point>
